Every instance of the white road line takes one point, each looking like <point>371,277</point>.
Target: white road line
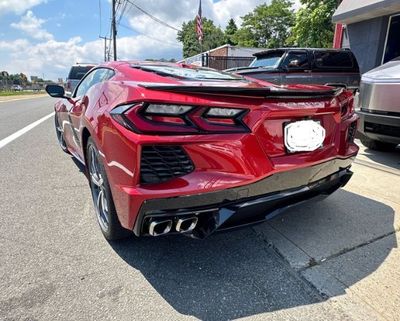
<point>24,130</point>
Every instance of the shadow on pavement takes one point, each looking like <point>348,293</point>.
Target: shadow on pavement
<point>341,222</point>
<point>390,158</point>
<point>235,274</point>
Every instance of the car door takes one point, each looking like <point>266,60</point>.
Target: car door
<point>80,103</point>
<point>296,67</point>
<point>270,75</point>
<point>335,68</point>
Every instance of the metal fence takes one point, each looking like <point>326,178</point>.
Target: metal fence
<point>222,63</point>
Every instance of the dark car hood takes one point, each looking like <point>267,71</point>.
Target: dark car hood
<point>238,68</point>
<point>253,70</point>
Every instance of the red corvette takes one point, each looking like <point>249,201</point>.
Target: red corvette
<point>171,148</point>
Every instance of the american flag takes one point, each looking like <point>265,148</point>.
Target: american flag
<point>199,24</point>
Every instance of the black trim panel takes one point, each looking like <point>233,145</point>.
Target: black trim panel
<point>277,183</point>
<point>380,120</point>
<point>267,92</point>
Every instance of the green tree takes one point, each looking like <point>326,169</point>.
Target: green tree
<point>213,37</point>
<point>313,27</point>
<point>6,80</point>
<point>230,32</point>
<point>24,79</point>
<point>267,26</point>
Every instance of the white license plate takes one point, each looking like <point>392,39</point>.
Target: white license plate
<point>304,136</point>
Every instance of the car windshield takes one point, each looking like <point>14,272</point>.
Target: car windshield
<point>269,60</point>
<point>189,73</point>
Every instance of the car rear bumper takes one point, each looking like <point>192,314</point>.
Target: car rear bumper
<point>381,127</point>
<point>246,204</point>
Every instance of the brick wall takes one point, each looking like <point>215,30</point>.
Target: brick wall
<point>221,52</point>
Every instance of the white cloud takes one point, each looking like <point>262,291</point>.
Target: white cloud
<point>54,58</point>
<point>184,10</point>
<point>18,6</point>
<point>226,9</point>
<point>16,45</point>
<point>181,11</point>
<point>32,26</point>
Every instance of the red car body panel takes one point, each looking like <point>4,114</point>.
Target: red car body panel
<point>221,160</point>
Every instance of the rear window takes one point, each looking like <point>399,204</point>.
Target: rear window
<point>77,72</point>
<point>270,59</point>
<point>194,73</point>
<point>333,60</point>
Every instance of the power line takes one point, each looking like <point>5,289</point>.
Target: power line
<point>114,28</point>
<point>117,6</point>
<point>122,12</point>
<point>100,18</point>
<point>109,43</point>
<point>147,36</point>
<point>152,17</point>
<point>105,47</point>
<point>118,10</point>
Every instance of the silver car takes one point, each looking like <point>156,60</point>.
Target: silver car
<point>379,104</point>
<point>75,75</point>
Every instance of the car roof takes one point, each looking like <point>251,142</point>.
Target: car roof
<point>83,64</point>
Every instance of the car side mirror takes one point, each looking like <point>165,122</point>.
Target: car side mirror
<point>56,91</point>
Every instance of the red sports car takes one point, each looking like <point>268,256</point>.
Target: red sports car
<point>172,148</point>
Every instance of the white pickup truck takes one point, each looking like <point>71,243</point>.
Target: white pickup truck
<point>379,104</point>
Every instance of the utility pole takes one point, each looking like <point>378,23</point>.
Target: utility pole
<point>105,47</point>
<point>114,29</point>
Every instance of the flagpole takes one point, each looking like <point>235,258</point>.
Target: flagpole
<point>199,30</point>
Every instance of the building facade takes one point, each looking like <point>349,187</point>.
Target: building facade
<point>370,28</point>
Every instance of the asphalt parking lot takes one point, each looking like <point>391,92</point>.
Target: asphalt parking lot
<point>337,259</point>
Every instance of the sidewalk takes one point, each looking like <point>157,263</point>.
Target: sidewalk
<point>347,245</point>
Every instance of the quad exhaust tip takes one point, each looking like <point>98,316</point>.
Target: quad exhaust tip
<point>186,225</point>
<point>158,228</point>
<point>183,225</point>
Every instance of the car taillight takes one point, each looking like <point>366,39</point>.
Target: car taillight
<point>172,119</point>
<point>346,103</point>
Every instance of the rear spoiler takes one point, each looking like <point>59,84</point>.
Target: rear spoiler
<point>262,92</point>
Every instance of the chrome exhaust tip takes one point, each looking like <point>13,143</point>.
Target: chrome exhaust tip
<point>157,228</point>
<point>186,225</point>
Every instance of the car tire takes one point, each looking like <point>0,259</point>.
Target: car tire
<point>376,144</point>
<point>102,198</point>
<point>60,135</point>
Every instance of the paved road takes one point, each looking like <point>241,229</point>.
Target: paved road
<point>334,260</point>
<point>15,115</point>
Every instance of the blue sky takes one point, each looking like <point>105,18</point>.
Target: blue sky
<point>45,37</point>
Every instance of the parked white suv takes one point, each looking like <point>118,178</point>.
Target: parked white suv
<point>75,75</point>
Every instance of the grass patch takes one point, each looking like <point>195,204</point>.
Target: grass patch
<point>20,93</point>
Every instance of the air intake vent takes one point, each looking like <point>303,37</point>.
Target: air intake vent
<point>162,163</point>
<point>351,134</point>
<point>382,129</point>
